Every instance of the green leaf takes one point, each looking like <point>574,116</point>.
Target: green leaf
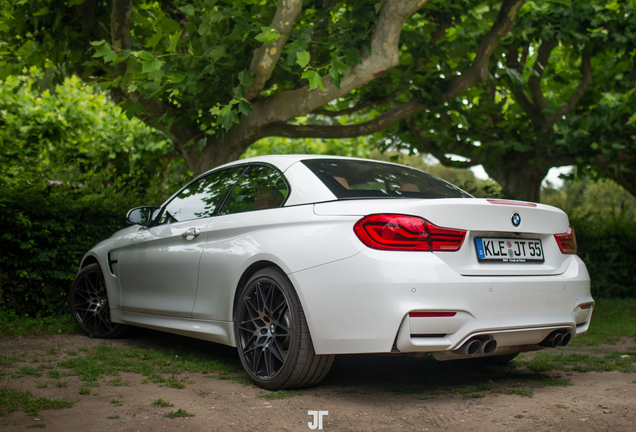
<point>302,58</point>
<point>102,50</point>
<point>314,78</point>
<point>204,27</point>
<point>42,11</point>
<point>216,53</point>
<point>187,9</point>
<point>229,118</point>
<point>515,76</point>
<point>613,6</point>
<point>632,119</point>
<point>176,78</point>
<point>151,65</point>
<point>27,49</point>
<point>246,78</point>
<point>267,35</point>
<point>174,40</point>
<point>244,107</point>
<point>72,3</point>
<point>169,25</point>
<point>145,55</point>
<point>154,40</point>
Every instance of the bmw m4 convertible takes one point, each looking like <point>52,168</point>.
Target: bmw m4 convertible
<point>295,258</point>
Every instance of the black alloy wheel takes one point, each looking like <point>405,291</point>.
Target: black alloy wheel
<point>273,338</point>
<point>89,304</point>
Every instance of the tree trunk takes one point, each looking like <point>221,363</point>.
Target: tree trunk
<point>519,176</point>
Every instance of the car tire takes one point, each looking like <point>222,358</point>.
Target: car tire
<point>272,335</point>
<point>89,304</point>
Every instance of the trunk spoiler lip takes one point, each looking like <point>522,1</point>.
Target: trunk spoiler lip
<point>510,202</point>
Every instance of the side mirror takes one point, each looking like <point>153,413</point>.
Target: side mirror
<point>140,215</point>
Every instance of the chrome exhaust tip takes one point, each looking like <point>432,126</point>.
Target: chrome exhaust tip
<point>470,348</point>
<point>488,347</point>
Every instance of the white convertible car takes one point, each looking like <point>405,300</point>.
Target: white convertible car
<point>295,258</point>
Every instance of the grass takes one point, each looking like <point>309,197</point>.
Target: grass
<point>19,326</point>
<point>84,391</point>
<point>107,360</point>
<point>37,426</point>
<point>549,361</point>
<point>15,400</point>
<point>61,384</point>
<point>280,394</point>
<point>179,413</point>
<point>113,417</point>
<point>55,374</point>
<point>162,403</point>
<point>117,402</point>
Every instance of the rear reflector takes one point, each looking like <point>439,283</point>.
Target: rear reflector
<point>431,314</point>
<point>586,306</point>
<point>509,202</point>
<point>402,232</point>
<point>567,241</point>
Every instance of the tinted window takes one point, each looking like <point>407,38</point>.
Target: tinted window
<point>366,179</point>
<point>259,188</point>
<point>202,198</point>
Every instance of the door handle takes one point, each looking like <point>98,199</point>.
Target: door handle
<point>191,232</point>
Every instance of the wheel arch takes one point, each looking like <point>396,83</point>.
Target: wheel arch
<point>248,273</point>
<point>88,260</point>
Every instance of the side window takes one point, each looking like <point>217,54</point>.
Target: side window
<point>259,188</point>
<point>201,199</point>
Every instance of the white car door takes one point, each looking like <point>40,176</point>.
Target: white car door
<point>159,265</point>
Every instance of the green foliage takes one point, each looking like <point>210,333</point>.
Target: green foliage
<point>592,201</point>
<point>74,133</point>
<point>352,147</point>
<point>45,231</point>
<point>609,252</point>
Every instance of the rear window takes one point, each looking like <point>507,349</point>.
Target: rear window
<point>351,179</point>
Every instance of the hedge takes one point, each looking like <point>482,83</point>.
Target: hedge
<point>44,232</point>
<point>609,252</point>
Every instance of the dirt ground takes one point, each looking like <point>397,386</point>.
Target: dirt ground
<point>356,394</point>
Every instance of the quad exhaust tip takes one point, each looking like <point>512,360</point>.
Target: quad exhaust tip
<point>556,339</point>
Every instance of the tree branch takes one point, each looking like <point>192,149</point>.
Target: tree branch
<point>586,81</point>
<point>120,30</point>
<point>265,57</point>
<point>282,107</point>
<point>366,128</point>
<point>461,149</point>
<point>478,71</point>
<point>358,107</point>
<point>534,82</point>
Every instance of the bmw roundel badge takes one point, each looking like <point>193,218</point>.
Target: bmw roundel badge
<point>516,219</point>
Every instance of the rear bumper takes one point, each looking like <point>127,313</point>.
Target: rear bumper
<point>361,304</point>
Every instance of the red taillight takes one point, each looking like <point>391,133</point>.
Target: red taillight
<point>431,314</point>
<point>401,232</point>
<point>567,241</point>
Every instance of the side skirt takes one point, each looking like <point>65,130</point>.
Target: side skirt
<point>214,331</point>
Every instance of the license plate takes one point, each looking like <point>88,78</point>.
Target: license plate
<point>509,250</point>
